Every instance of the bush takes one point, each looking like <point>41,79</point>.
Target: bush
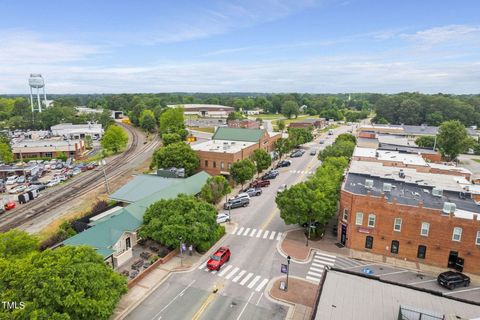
<point>99,207</point>
<point>204,246</point>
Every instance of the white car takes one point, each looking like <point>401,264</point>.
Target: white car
<point>242,195</point>
<point>53,182</point>
<point>223,217</point>
<point>282,188</point>
<point>11,180</point>
<point>17,189</point>
<point>21,179</point>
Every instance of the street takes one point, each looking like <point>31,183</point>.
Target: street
<point>255,261</point>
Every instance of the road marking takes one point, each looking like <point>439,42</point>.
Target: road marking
<point>203,265</point>
<point>316,269</point>
<point>365,265</point>
<point>272,235</point>
<point>389,273</point>
<point>312,278</point>
<point>261,285</point>
<point>327,263</point>
<point>424,281</point>
<point>265,235</point>
<point>258,301</point>
<point>232,273</point>
<point>178,295</point>
<point>279,235</point>
<point>246,304</point>
<point>240,231</point>
<point>235,230</point>
<point>253,232</point>
<point>225,270</point>
<point>246,231</point>
<point>325,255</point>
<point>214,272</point>
<point>466,290</point>
<point>239,276</point>
<point>323,259</point>
<point>246,278</point>
<point>315,273</point>
<point>259,233</point>
<point>252,283</point>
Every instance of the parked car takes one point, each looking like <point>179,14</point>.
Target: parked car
<point>322,141</point>
<point>76,171</point>
<point>59,165</point>
<point>219,258</point>
<point>272,174</point>
<point>282,188</point>
<point>37,186</point>
<point>296,154</point>
<point>330,132</point>
<point>283,163</point>
<point>3,188</point>
<point>32,178</point>
<point>91,165</point>
<point>62,177</point>
<point>2,210</point>
<point>21,179</point>
<point>236,203</point>
<point>11,180</point>
<point>17,189</point>
<point>53,182</point>
<point>313,152</point>
<point>241,195</point>
<point>253,192</point>
<point>223,217</point>
<point>10,205</point>
<point>452,279</point>
<point>259,184</point>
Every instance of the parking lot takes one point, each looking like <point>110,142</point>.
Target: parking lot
<point>417,279</point>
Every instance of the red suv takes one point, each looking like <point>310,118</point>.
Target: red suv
<point>260,184</point>
<point>218,258</point>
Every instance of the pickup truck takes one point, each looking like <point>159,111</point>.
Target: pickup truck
<point>260,184</point>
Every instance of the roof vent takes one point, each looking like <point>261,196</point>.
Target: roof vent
<point>401,174</point>
<point>368,183</point>
<point>387,187</point>
<point>437,192</point>
<point>449,207</point>
<point>377,154</point>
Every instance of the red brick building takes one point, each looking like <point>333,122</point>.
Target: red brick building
<point>411,218</point>
<point>245,123</point>
<point>316,123</point>
<point>229,145</point>
<point>48,148</point>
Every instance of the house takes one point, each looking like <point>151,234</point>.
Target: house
<point>78,131</point>
<point>229,145</point>
<point>253,112</point>
<point>205,110</point>
<point>315,123</point>
<point>48,148</point>
<point>113,235</point>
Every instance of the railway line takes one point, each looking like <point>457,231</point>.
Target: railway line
<point>78,186</point>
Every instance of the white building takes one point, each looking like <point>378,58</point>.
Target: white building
<point>205,110</point>
<point>78,131</point>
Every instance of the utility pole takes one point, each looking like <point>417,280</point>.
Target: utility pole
<point>103,163</point>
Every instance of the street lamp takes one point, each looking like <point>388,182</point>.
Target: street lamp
<point>181,251</point>
<point>103,163</point>
<point>288,271</point>
<point>309,225</point>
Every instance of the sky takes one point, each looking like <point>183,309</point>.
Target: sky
<point>315,46</point>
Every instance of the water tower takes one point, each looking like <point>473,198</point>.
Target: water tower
<point>36,82</point>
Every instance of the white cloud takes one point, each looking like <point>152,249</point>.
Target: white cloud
<point>445,34</point>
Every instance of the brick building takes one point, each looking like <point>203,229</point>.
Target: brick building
<point>229,145</point>
<point>245,123</point>
<point>316,123</point>
<point>50,148</point>
<point>424,217</point>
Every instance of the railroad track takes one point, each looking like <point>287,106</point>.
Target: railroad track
<point>78,186</point>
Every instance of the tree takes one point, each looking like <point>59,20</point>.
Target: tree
<point>178,155</point>
<point>171,120</point>
<point>282,146</point>
<point>191,219</point>
<point>15,243</point>
<point>106,119</point>
<point>340,149</point>
<point>242,171</point>
<point>262,160</point>
<point>134,115</point>
<point>147,120</point>
<point>452,139</point>
<point>214,189</point>
<point>346,137</point>
<point>115,139</point>
<point>62,156</point>
<point>235,116</point>
<point>6,155</point>
<point>169,138</point>
<point>298,136</point>
<point>281,125</point>
<point>290,108</point>
<point>425,141</point>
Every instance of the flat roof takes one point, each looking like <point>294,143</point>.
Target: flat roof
<point>350,296</point>
<point>394,139</point>
<point>70,126</point>
<point>412,129</point>
<point>188,106</point>
<point>222,146</point>
<point>385,155</point>
<point>407,149</point>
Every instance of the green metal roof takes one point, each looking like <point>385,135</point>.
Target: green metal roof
<point>238,134</point>
<point>105,233</point>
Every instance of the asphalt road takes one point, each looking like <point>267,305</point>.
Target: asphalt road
<point>255,261</point>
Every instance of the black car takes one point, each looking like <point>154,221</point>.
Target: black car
<point>236,203</point>
<point>297,154</point>
<point>452,279</point>
<point>268,176</point>
<point>283,163</point>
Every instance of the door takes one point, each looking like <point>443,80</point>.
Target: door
<point>459,264</point>
<point>343,236</point>
<point>452,259</point>
<point>128,244</point>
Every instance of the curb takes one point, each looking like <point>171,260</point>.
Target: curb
<point>283,254</point>
<point>291,306</point>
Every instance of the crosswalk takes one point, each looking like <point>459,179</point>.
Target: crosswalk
<point>257,233</point>
<point>319,262</point>
<point>241,277</point>
<point>301,172</point>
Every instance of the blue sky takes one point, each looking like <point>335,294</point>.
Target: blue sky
<point>257,46</point>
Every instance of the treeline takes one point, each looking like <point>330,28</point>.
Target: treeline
<point>417,108</point>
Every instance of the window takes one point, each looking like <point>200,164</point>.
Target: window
<point>206,163</point>
<point>477,240</point>
<point>395,245</point>
<point>371,220</point>
<point>345,214</point>
<point>457,234</point>
<point>222,165</point>
<point>397,224</point>
<point>421,252</point>
<point>229,166</point>
<point>369,242</point>
<point>425,229</point>
<point>359,219</point>
<point>48,154</point>
<point>214,164</point>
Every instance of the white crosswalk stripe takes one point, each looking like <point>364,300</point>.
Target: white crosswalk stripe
<point>235,230</point>
<point>319,262</point>
<point>259,233</point>
<point>228,276</point>
<point>318,274</point>
<point>239,276</point>
<point>279,235</point>
<point>265,235</point>
<point>253,232</point>
<point>225,270</point>
<point>248,276</point>
<point>272,235</point>
<point>240,230</point>
<point>261,285</point>
<point>203,265</point>
<point>246,231</point>
<point>312,279</point>
<point>252,283</point>
<point>214,271</point>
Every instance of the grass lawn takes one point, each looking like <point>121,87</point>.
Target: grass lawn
<point>476,160</point>
<point>267,116</point>
<point>300,117</point>
<point>206,129</point>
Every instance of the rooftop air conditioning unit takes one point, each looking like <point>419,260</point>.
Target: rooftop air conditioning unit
<point>437,192</point>
<point>368,183</point>
<point>387,187</point>
<point>449,207</point>
<point>401,174</point>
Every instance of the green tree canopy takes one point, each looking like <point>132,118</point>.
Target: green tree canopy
<point>346,137</point>
<point>178,155</point>
<point>452,139</point>
<point>242,171</point>
<point>298,136</point>
<point>340,149</point>
<point>214,189</point>
<point>115,139</point>
<point>171,120</point>
<point>15,243</point>
<point>425,141</point>
<point>262,159</point>
<point>191,219</point>
<point>169,138</point>
<point>281,125</point>
<point>147,120</point>
<point>6,155</point>
<point>290,108</point>
<point>282,146</point>
<point>235,116</point>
